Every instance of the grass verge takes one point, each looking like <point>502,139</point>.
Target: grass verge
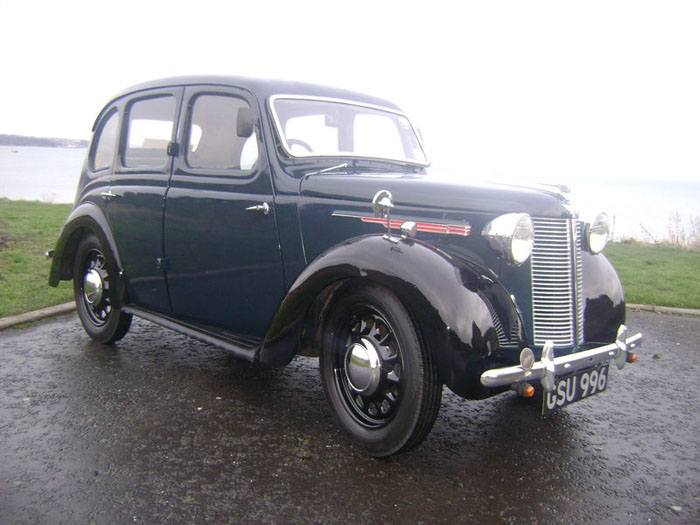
<point>652,274</point>
<point>27,230</point>
<point>657,274</point>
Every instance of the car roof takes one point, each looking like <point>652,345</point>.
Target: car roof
<point>262,88</point>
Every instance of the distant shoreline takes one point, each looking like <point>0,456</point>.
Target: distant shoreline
<point>41,142</point>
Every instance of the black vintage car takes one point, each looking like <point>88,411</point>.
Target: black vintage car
<point>276,218</point>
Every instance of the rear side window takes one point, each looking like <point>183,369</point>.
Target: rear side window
<point>150,130</point>
<point>106,143</point>
<point>221,135</point>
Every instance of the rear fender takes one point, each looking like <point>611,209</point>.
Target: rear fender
<point>451,301</point>
<point>83,220</point>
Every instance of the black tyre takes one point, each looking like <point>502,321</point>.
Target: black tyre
<point>379,380</point>
<point>95,286</point>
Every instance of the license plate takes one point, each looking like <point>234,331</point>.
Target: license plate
<point>574,387</point>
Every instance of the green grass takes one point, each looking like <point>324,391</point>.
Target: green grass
<point>27,230</point>
<point>657,274</point>
<point>652,274</point>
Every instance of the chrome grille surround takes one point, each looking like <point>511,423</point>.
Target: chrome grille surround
<point>557,282</point>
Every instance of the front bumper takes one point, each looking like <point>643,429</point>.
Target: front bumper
<point>550,367</point>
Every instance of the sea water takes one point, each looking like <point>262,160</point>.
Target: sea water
<point>40,174</point>
<point>640,208</point>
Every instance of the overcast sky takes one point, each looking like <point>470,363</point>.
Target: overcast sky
<point>557,90</point>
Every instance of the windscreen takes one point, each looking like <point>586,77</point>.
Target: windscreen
<point>313,128</point>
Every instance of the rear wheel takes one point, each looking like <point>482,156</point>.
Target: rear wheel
<point>95,288</point>
<point>379,380</point>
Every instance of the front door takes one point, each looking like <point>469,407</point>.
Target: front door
<point>224,265</point>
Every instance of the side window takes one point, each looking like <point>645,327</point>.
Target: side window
<point>150,130</point>
<point>221,134</point>
<point>106,143</point>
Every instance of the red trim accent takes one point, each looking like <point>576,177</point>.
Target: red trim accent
<point>446,229</point>
<point>376,220</point>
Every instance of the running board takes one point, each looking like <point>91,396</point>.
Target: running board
<point>241,349</point>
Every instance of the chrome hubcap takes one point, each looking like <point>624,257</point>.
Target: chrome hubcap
<point>363,367</point>
<point>93,287</point>
<point>368,367</point>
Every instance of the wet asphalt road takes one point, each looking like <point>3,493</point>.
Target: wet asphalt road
<point>162,428</point>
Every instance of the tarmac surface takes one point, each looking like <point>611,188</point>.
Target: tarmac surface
<point>161,428</point>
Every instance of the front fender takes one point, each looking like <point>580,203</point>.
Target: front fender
<point>452,302</point>
<point>604,300</point>
<point>86,218</point>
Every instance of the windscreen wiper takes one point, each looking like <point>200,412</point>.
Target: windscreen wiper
<point>326,170</point>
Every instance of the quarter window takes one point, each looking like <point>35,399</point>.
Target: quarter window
<point>221,134</point>
<point>150,130</point>
<point>106,143</point>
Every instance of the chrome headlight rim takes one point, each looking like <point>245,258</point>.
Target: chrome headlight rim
<point>597,233</point>
<point>511,236</point>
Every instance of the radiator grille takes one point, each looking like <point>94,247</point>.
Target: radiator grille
<point>578,274</point>
<point>557,281</point>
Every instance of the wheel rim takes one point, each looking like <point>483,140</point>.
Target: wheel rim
<point>94,288</point>
<point>368,367</point>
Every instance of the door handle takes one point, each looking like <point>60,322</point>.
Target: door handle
<point>108,195</point>
<point>264,207</point>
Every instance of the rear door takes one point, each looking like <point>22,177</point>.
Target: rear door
<point>220,236</point>
<point>136,198</point>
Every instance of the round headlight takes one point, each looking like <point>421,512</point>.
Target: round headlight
<point>512,236</point>
<point>598,233</point>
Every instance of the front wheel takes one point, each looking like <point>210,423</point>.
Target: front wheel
<point>95,288</point>
<point>379,379</point>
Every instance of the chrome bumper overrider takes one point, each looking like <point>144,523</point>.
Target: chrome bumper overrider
<point>550,367</point>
